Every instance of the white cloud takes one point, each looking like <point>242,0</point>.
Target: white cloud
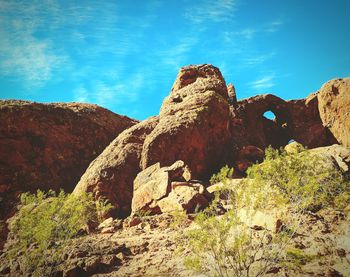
<point>22,54</point>
<point>258,59</point>
<point>209,10</point>
<point>176,55</point>
<point>265,82</point>
<point>274,26</point>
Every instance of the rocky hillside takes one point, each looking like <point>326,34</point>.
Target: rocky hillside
<point>49,146</point>
<point>148,170</point>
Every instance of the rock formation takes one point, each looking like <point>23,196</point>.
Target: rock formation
<point>193,123</point>
<point>202,124</point>
<point>110,176</point>
<point>167,189</point>
<point>296,119</point>
<point>49,146</point>
<point>334,107</point>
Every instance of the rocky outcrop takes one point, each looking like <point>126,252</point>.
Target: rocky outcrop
<point>49,146</point>
<point>193,123</point>
<point>305,125</point>
<point>334,108</point>
<point>166,189</point>
<point>295,119</point>
<point>185,197</point>
<point>110,176</point>
<point>337,155</point>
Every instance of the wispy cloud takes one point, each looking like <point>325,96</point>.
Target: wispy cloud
<point>22,54</point>
<point>176,55</point>
<point>208,10</point>
<point>258,59</point>
<point>274,26</point>
<point>265,82</point>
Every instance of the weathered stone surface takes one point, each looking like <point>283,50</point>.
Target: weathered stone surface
<point>337,155</point>
<point>334,108</point>
<point>305,125</point>
<point>193,125</point>
<point>188,197</point>
<point>110,176</point>
<point>295,119</point>
<point>49,146</point>
<point>154,183</point>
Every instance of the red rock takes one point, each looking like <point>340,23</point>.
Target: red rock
<point>334,107</point>
<point>110,176</point>
<point>193,124</point>
<point>49,146</point>
<point>154,183</point>
<point>248,156</point>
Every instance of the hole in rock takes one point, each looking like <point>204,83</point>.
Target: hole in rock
<point>269,115</point>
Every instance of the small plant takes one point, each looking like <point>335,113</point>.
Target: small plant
<point>297,257</point>
<point>46,221</point>
<point>224,173</point>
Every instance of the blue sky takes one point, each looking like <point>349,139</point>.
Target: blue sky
<point>124,55</point>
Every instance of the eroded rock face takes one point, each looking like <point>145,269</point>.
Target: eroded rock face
<point>305,125</point>
<point>334,108</point>
<point>49,146</point>
<point>110,176</point>
<point>295,119</point>
<point>193,123</point>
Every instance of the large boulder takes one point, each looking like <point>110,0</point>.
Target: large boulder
<point>49,146</point>
<point>193,123</point>
<point>334,108</point>
<point>154,183</point>
<point>110,176</point>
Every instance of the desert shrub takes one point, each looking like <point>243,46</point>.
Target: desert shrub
<point>224,173</point>
<point>305,179</point>
<point>289,183</point>
<point>46,221</point>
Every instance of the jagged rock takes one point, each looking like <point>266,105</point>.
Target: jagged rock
<point>232,96</point>
<point>193,124</point>
<point>154,183</point>
<point>334,108</point>
<point>110,176</point>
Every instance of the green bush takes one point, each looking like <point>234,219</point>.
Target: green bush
<point>306,180</point>
<point>47,221</point>
<point>222,175</point>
